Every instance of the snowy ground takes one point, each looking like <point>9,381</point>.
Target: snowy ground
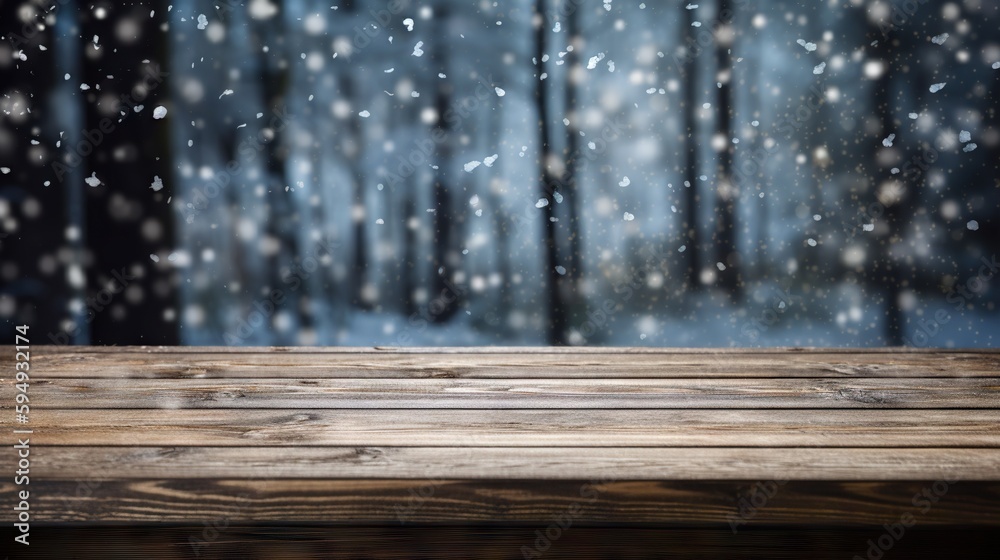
<point>772,317</point>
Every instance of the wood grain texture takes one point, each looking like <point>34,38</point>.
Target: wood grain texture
<point>180,363</point>
<point>519,428</point>
<point>485,463</point>
<point>979,392</point>
<point>510,435</point>
<point>490,542</point>
<point>407,501</point>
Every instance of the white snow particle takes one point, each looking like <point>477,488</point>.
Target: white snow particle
<point>500,92</point>
<point>868,227</point>
<point>542,203</point>
<point>996,65</point>
<point>628,217</point>
<point>811,242</point>
<point>818,69</point>
<point>973,225</point>
<point>939,39</point>
<point>721,266</point>
<point>964,136</point>
<point>157,183</point>
<point>226,92</point>
<point>408,22</point>
<point>470,166</point>
<point>937,87</point>
<point>202,21</point>
<point>154,258</point>
<point>561,270</point>
<point>913,116</point>
<point>417,51</point>
<point>969,147</point>
<point>488,161</point>
<point>4,170</point>
<point>809,47</point>
<point>159,112</point>
<point>364,114</point>
<point>592,63</point>
<point>624,182</point>
<point>887,142</point>
<point>93,181</point>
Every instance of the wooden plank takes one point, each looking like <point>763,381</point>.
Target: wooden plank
<point>490,542</point>
<point>573,350</point>
<point>517,393</point>
<point>395,501</point>
<point>60,363</point>
<point>508,434</point>
<point>504,463</point>
<point>520,428</point>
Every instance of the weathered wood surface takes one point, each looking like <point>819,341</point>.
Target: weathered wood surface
<point>182,435</point>
<point>535,463</point>
<point>506,363</point>
<point>520,427</point>
<point>367,394</point>
<point>397,501</point>
<point>492,542</point>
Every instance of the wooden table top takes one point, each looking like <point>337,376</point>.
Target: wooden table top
<point>383,435</point>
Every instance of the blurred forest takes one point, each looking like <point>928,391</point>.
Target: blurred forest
<point>605,172</point>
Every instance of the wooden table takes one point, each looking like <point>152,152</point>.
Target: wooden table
<point>510,452</point>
